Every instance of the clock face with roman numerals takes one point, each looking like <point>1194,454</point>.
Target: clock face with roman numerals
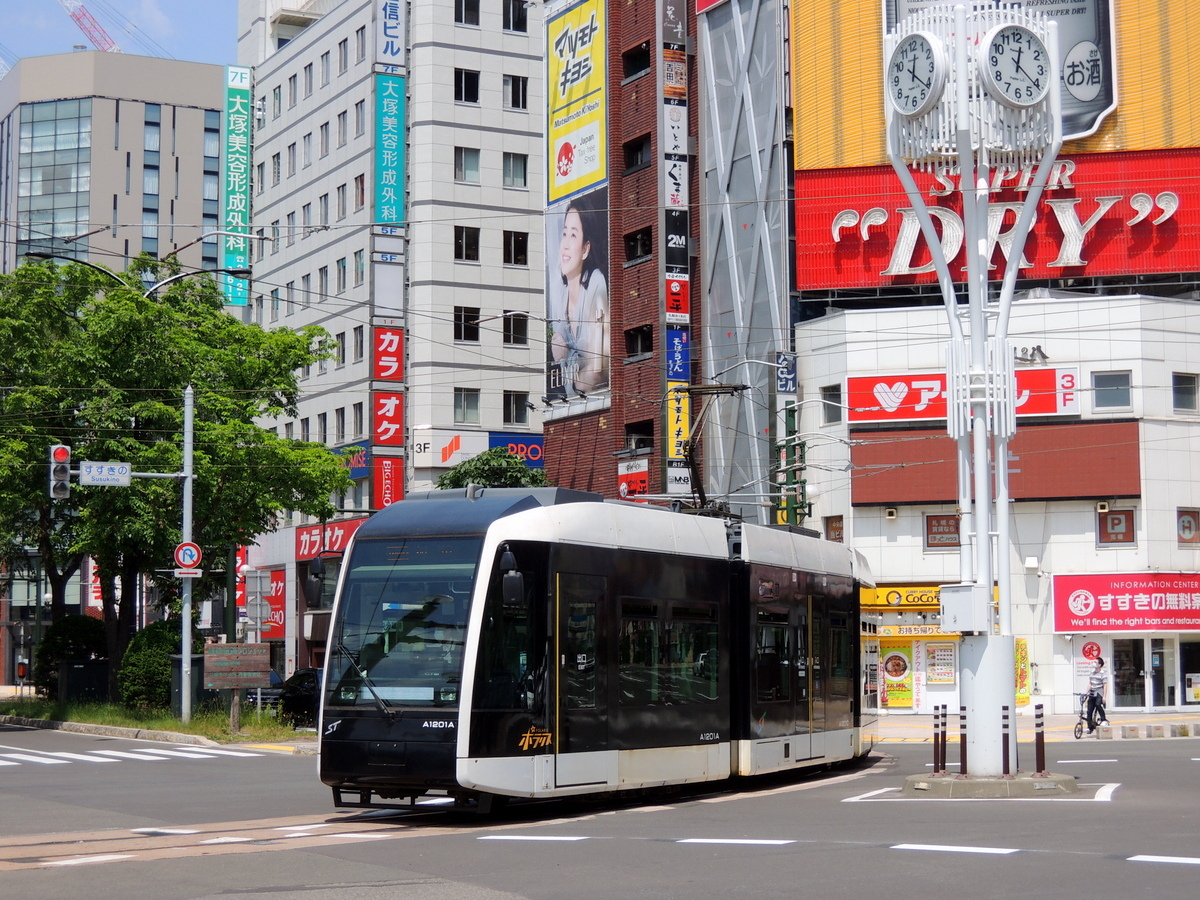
<point>1014,66</point>
<point>916,74</point>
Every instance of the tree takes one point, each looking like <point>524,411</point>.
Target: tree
<point>71,637</point>
<point>496,467</point>
<point>101,367</point>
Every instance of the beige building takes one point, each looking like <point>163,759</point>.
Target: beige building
<point>104,156</point>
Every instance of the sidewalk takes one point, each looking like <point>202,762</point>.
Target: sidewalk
<point>901,728</point>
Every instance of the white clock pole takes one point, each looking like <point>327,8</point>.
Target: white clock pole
<point>1000,106</point>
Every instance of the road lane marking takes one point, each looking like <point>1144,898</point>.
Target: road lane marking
<point>29,757</point>
<point>182,754</point>
<point>79,757</point>
<point>531,837</point>
<point>947,848</point>
<point>227,840</point>
<point>121,754</point>
<point>1072,762</point>
<point>155,832</point>
<point>762,843</point>
<point>88,860</point>
<point>1104,794</point>
<point>1186,860</point>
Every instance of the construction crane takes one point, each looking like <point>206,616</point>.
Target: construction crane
<point>88,25</point>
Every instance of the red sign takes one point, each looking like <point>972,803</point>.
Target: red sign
<point>387,481</point>
<point>272,627</point>
<point>679,300</point>
<point>387,418</point>
<point>313,540</point>
<point>1101,214</point>
<point>243,557</point>
<point>1137,602</point>
<point>905,398</point>
<point>633,479</point>
<point>188,555</point>
<point>387,354</point>
<point>1091,650</point>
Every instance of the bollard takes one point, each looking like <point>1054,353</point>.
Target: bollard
<point>937,743</point>
<point>945,715</point>
<point>1006,771</point>
<point>962,742</point>
<point>1039,741</point>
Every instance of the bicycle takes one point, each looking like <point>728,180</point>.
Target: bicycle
<point>1083,721</point>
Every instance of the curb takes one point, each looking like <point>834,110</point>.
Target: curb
<point>141,734</point>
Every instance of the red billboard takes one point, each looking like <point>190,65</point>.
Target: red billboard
<point>1126,602</point>
<point>1101,214</point>
<point>332,537</point>
<point>272,627</point>
<point>387,481</point>
<point>910,398</point>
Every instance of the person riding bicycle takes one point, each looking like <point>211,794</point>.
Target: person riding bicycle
<point>1097,692</point>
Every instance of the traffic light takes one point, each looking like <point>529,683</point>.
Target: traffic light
<point>60,471</point>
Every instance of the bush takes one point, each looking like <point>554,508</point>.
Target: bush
<point>71,637</point>
<point>145,677</point>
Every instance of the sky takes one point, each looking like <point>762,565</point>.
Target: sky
<point>191,30</point>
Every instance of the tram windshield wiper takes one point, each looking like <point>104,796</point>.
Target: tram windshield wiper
<point>383,705</point>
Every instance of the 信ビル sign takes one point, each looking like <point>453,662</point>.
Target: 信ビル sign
<point>1101,214</point>
<point>1126,602</point>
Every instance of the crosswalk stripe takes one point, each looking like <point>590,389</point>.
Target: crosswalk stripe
<point>221,751</point>
<point>29,757</point>
<point>182,754</point>
<point>79,757</point>
<point>121,754</point>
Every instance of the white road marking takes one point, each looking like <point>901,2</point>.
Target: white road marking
<point>159,831</point>
<point>179,754</point>
<point>1103,794</point>
<point>1186,860</point>
<point>121,754</point>
<point>5,762</point>
<point>1066,762</point>
<point>763,843</point>
<point>304,827</point>
<point>362,836</point>
<point>79,757</point>
<point>946,848</point>
<point>87,860</point>
<point>29,757</point>
<point>227,840</point>
<point>215,751</point>
<point>530,837</point>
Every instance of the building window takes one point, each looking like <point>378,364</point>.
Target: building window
<point>639,341</point>
<point>360,343</point>
<point>516,16</point>
<point>274,305</point>
<point>516,167</point>
<point>306,218</point>
<point>289,298</point>
<point>276,102</point>
<point>466,406</point>
<point>358,419</point>
<point>340,269</point>
<point>360,267</point>
<point>293,91</point>
<point>325,68</point>
<point>339,425</point>
<point>360,118</point>
<point>1183,392</point>
<point>516,92</point>
<point>360,191</point>
<point>341,201</point>
<point>1111,390</point>
<point>323,428</point>
<point>306,290</point>
<point>635,62</point>
<point>305,433</point>
<point>291,159</point>
<point>466,86</point>
<point>516,248</point>
<point>260,172</point>
<point>343,49</point>
<point>466,323</point>
<point>308,80</point>
<point>831,404</point>
<point>306,146</point>
<point>639,245</point>
<point>466,243</point>
<point>323,209</point>
<point>339,351</point>
<point>637,153</point>
<point>466,12</point>
<point>322,283</point>
<point>360,44</point>
<point>275,236</point>
<point>466,164</point>
<point>516,408</point>
<point>516,328</point>
<point>276,169</point>
<point>343,128</point>
<point>323,131</point>
<point>291,228</point>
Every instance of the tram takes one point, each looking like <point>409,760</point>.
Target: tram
<point>497,643</point>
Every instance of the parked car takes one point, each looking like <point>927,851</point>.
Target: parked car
<point>300,696</point>
<point>270,695</point>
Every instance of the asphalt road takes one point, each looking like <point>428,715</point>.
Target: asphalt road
<point>220,825</point>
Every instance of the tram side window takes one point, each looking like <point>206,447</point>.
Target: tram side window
<point>510,672</point>
<point>667,654</point>
<point>581,595</point>
<point>841,672</point>
<point>773,658</point>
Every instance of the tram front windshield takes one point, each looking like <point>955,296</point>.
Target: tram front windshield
<point>401,622</point>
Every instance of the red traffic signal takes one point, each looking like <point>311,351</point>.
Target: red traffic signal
<point>60,472</point>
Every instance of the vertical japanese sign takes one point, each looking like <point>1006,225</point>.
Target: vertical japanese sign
<point>389,149</point>
<point>235,193</point>
<point>390,40</point>
<point>387,418</point>
<point>387,357</point>
<point>387,481</point>
<point>578,132</point>
<point>272,627</point>
<point>897,671</point>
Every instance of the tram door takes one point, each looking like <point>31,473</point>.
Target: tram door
<point>582,721</point>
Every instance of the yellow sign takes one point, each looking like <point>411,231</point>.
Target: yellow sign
<point>916,631</point>
<point>1022,664</point>
<point>897,597</point>
<point>679,419</point>
<point>578,115</point>
<point>896,673</point>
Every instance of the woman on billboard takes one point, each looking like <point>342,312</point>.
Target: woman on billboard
<point>579,343</point>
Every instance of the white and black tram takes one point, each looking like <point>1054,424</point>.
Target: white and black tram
<point>543,642</point>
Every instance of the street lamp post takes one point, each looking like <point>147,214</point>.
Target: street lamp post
<point>969,92</point>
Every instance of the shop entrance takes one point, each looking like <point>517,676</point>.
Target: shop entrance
<point>1145,672</point>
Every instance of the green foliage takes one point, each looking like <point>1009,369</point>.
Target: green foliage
<point>71,637</point>
<point>145,676</point>
<point>496,467</point>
